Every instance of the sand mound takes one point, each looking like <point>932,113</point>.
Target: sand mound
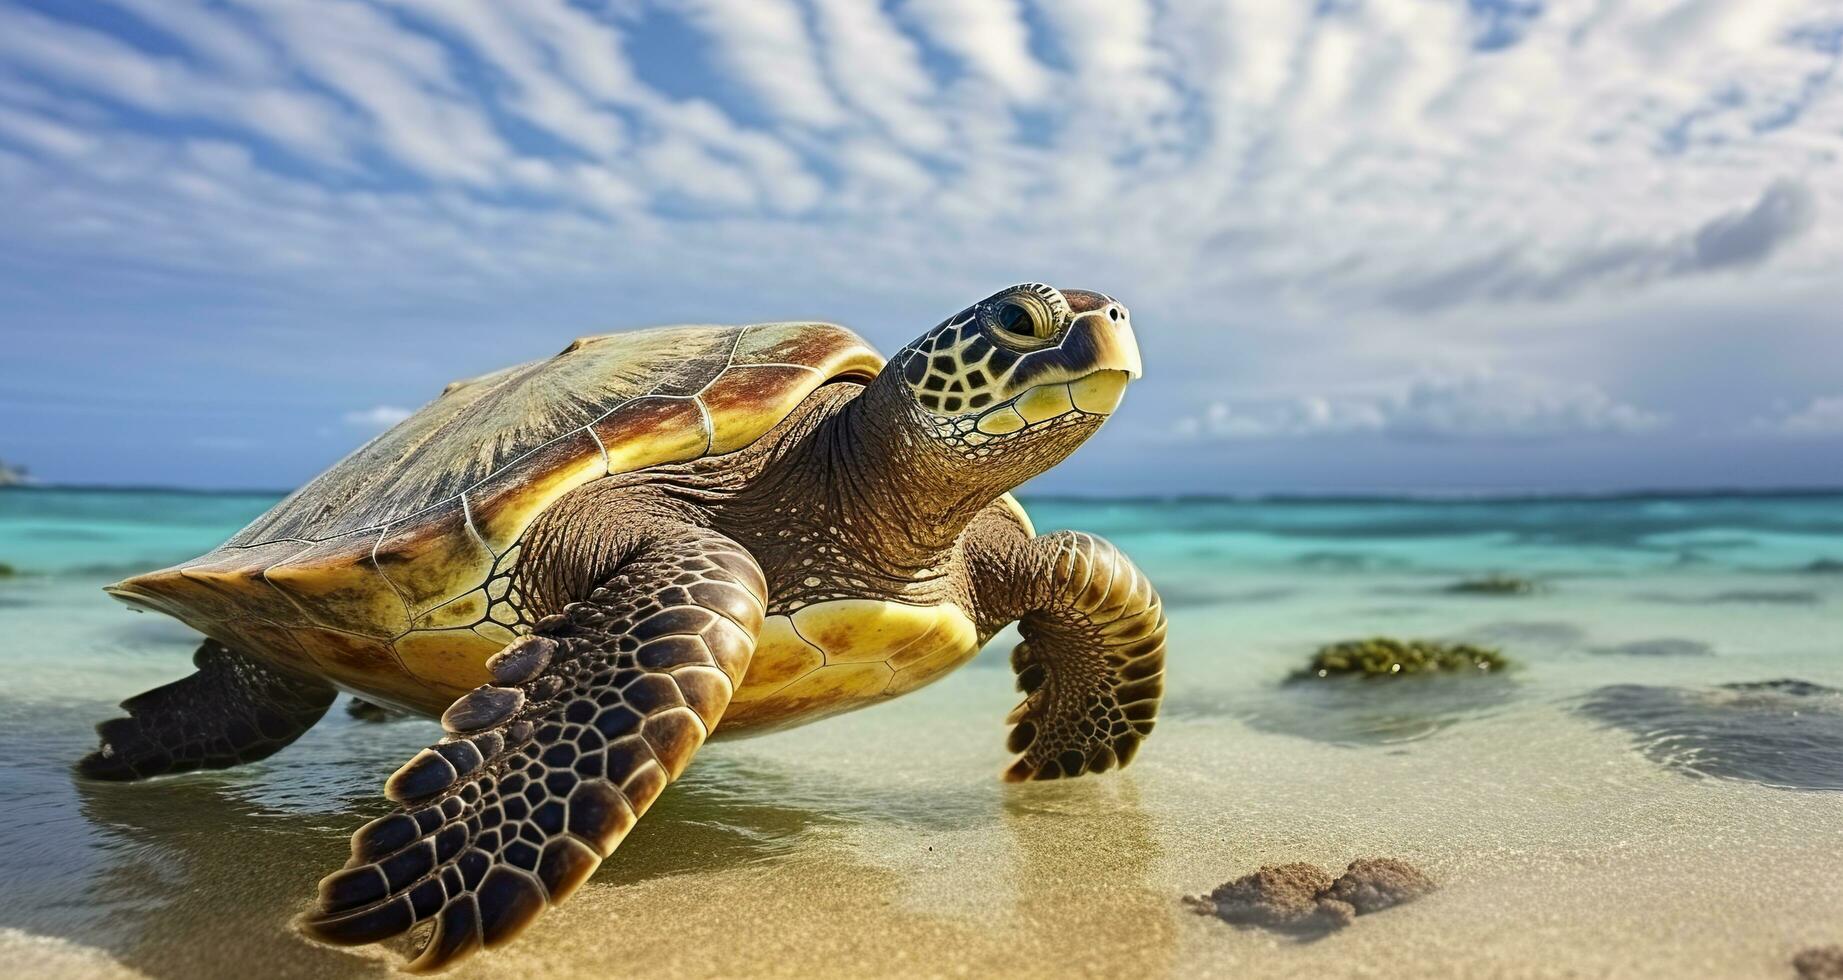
<point>1819,963</point>
<point>1305,900</point>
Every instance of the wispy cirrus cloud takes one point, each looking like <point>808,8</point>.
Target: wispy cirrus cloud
<point>1470,406</point>
<point>1392,152</point>
<point>1498,181</point>
<point>1734,240</point>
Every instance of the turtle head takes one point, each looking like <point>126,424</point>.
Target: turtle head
<point>1023,376</point>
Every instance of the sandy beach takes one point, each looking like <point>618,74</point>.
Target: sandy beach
<point>882,842</point>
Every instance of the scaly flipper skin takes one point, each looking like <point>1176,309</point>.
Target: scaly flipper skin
<point>541,777</point>
<point>235,709</point>
<point>1092,662</point>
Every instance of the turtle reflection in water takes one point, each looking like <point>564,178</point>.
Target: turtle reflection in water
<point>590,564</point>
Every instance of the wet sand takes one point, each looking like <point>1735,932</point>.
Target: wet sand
<point>795,858</point>
<point>883,843</point>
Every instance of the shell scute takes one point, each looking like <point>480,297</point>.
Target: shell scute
<point>448,662</point>
<point>362,663</point>
<point>496,634</point>
<point>831,350</point>
<point>746,401</point>
<point>651,431</point>
<point>461,612</point>
<point>372,573</point>
<point>236,578</point>
<point>504,504</point>
<point>335,583</point>
<point>433,556</point>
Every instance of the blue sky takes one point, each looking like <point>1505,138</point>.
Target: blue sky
<point>1404,244</point>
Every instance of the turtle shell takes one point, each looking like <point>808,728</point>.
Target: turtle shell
<point>390,573</point>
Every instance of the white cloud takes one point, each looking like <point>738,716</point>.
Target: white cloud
<point>878,70</point>
<point>765,46</point>
<point>1474,405</point>
<point>1733,240</point>
<point>1113,54</point>
<point>401,81</point>
<point>1305,197</point>
<point>1822,417</point>
<point>516,48</point>
<point>990,39</point>
<point>1359,157</point>
<point>93,63</point>
<point>377,417</point>
<point>220,40</point>
<point>1214,162</point>
<point>45,135</point>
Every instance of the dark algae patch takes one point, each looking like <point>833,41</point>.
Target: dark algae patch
<point>1742,597</point>
<point>1346,561</point>
<point>1661,647</point>
<point>1304,900</point>
<point>1495,585</point>
<point>1825,566</point>
<point>1347,693</point>
<point>1785,733</point>
<point>1352,711</point>
<point>1819,963</point>
<point>1387,657</point>
<point>1555,633</point>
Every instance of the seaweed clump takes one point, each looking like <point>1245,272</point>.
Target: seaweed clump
<point>1387,657</point>
<point>1499,585</point>
<point>7,571</point>
<point>1304,900</point>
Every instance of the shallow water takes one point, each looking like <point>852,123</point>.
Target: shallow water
<point>1609,808</point>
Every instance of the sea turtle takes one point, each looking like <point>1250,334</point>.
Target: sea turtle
<point>584,564</point>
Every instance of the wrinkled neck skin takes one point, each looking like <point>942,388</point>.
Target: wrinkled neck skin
<point>874,476</point>
<point>854,494</point>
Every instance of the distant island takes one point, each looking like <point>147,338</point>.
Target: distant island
<point>12,475</point>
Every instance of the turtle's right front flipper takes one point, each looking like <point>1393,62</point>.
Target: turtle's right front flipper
<point>234,709</point>
<point>1092,661</point>
<point>541,777</point>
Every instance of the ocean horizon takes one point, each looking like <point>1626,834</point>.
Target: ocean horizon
<point>1376,495</point>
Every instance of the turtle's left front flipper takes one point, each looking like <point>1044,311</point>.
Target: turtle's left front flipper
<point>233,709</point>
<point>541,776</point>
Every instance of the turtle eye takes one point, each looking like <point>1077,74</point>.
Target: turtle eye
<point>1023,321</point>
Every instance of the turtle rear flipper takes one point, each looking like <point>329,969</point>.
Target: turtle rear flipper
<point>235,709</point>
<point>540,777</point>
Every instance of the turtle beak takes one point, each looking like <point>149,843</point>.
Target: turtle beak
<point>1102,340</point>
<point>1105,358</point>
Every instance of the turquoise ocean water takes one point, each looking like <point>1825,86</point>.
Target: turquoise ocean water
<point>1662,776</point>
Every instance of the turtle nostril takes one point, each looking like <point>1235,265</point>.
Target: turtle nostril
<point>1113,313</point>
